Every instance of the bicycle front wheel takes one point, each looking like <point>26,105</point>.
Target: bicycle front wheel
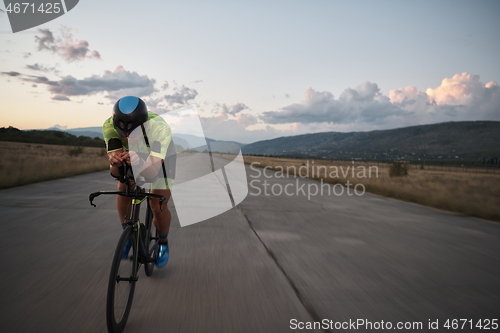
<point>121,284</point>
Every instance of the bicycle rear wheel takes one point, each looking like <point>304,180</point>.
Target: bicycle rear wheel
<point>121,284</point>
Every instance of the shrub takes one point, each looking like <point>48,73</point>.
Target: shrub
<point>75,151</point>
<point>398,169</point>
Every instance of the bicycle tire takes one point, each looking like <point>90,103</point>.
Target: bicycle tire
<point>121,292</point>
<point>150,241</point>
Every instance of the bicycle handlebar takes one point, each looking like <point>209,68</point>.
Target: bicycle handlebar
<point>125,177</point>
<point>139,195</point>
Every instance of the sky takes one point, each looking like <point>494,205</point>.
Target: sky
<point>257,70</point>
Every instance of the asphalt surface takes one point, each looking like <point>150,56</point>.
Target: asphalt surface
<point>272,259</point>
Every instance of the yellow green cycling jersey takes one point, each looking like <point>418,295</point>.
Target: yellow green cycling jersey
<point>158,136</point>
<point>154,138</point>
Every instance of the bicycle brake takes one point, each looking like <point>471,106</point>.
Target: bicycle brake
<point>91,199</point>
<point>161,202</point>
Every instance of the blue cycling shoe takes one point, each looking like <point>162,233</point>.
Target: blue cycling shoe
<point>126,249</point>
<point>162,258</point>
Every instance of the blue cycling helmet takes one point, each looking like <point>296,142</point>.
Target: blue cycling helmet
<point>128,113</point>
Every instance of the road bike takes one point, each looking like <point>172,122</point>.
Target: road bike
<point>143,239</point>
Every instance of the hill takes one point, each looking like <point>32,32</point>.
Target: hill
<point>463,140</point>
<point>91,132</point>
<point>53,137</point>
<point>186,141</point>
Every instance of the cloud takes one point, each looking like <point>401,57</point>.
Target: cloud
<point>117,83</point>
<point>181,96</point>
<point>60,98</point>
<point>240,129</point>
<point>365,92</point>
<point>159,102</point>
<point>457,90</point>
<point>46,41</point>
<point>221,127</point>
<point>406,95</point>
<point>41,68</point>
<point>68,48</point>
<point>59,127</point>
<point>38,79</point>
<point>11,73</point>
<point>461,97</point>
<point>361,104</point>
<point>233,109</point>
<point>246,120</point>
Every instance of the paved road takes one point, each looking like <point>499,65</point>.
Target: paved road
<point>252,269</point>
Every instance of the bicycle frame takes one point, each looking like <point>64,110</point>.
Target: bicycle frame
<point>138,196</point>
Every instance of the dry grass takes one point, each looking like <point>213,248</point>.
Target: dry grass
<point>473,194</point>
<point>25,163</point>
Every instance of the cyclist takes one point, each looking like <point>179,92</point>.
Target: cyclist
<point>130,118</point>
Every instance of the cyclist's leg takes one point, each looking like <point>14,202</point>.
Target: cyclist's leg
<point>162,217</point>
<point>162,223</point>
<point>122,203</point>
<point>123,207</point>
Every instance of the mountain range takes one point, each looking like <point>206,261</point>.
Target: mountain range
<point>450,140</point>
<point>186,141</point>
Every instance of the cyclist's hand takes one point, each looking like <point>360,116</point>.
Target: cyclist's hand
<point>125,156</point>
<point>115,158</point>
<point>134,158</point>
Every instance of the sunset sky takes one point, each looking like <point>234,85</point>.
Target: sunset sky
<point>257,69</point>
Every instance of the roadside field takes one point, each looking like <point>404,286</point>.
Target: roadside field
<point>474,194</point>
<point>25,163</point>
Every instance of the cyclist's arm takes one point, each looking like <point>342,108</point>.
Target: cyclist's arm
<point>149,161</point>
<point>115,155</point>
<point>115,162</point>
<point>114,147</point>
<point>148,168</point>
<point>162,138</point>
<point>114,141</point>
